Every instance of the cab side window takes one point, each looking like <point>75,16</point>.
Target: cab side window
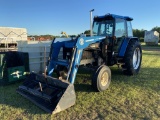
<point>129,29</point>
<point>120,30</point>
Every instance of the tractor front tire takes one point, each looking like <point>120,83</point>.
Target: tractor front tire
<point>101,78</point>
<point>132,58</point>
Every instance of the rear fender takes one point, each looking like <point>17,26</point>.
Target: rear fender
<point>124,45</point>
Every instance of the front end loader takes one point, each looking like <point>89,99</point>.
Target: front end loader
<point>112,43</point>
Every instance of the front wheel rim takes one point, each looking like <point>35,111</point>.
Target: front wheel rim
<point>104,79</point>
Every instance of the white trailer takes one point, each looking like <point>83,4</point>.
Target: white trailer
<point>9,37</point>
<point>151,37</point>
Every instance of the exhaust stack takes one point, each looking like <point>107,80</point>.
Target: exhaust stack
<point>91,22</point>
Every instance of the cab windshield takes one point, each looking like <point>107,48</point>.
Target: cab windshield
<point>103,28</point>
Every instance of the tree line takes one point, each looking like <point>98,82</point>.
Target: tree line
<point>136,32</point>
<point>46,37</point>
<point>140,33</point>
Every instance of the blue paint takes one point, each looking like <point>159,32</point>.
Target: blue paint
<point>80,44</point>
<point>76,63</point>
<point>123,47</point>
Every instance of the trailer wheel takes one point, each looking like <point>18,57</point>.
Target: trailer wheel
<point>133,58</point>
<point>101,78</point>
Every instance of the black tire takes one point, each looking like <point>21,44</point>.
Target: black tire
<point>132,58</point>
<point>98,83</point>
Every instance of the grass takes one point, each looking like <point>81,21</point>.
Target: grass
<point>150,47</point>
<point>128,98</point>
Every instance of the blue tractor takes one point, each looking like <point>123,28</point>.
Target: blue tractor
<point>112,43</point>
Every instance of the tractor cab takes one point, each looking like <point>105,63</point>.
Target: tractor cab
<point>115,28</point>
<point>112,25</point>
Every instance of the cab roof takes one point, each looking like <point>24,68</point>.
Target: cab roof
<point>112,16</point>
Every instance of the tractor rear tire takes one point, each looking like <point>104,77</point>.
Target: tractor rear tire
<point>101,78</point>
<point>133,58</point>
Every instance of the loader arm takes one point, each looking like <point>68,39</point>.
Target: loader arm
<point>54,94</point>
<point>78,46</point>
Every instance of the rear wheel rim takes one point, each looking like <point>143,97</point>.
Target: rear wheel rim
<point>136,58</point>
<point>104,79</point>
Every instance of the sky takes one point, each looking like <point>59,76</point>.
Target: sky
<point>42,17</point>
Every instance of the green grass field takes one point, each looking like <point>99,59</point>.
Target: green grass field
<point>128,97</point>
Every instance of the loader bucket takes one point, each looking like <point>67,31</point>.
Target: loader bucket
<point>48,93</point>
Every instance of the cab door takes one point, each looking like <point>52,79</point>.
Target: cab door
<point>120,33</point>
